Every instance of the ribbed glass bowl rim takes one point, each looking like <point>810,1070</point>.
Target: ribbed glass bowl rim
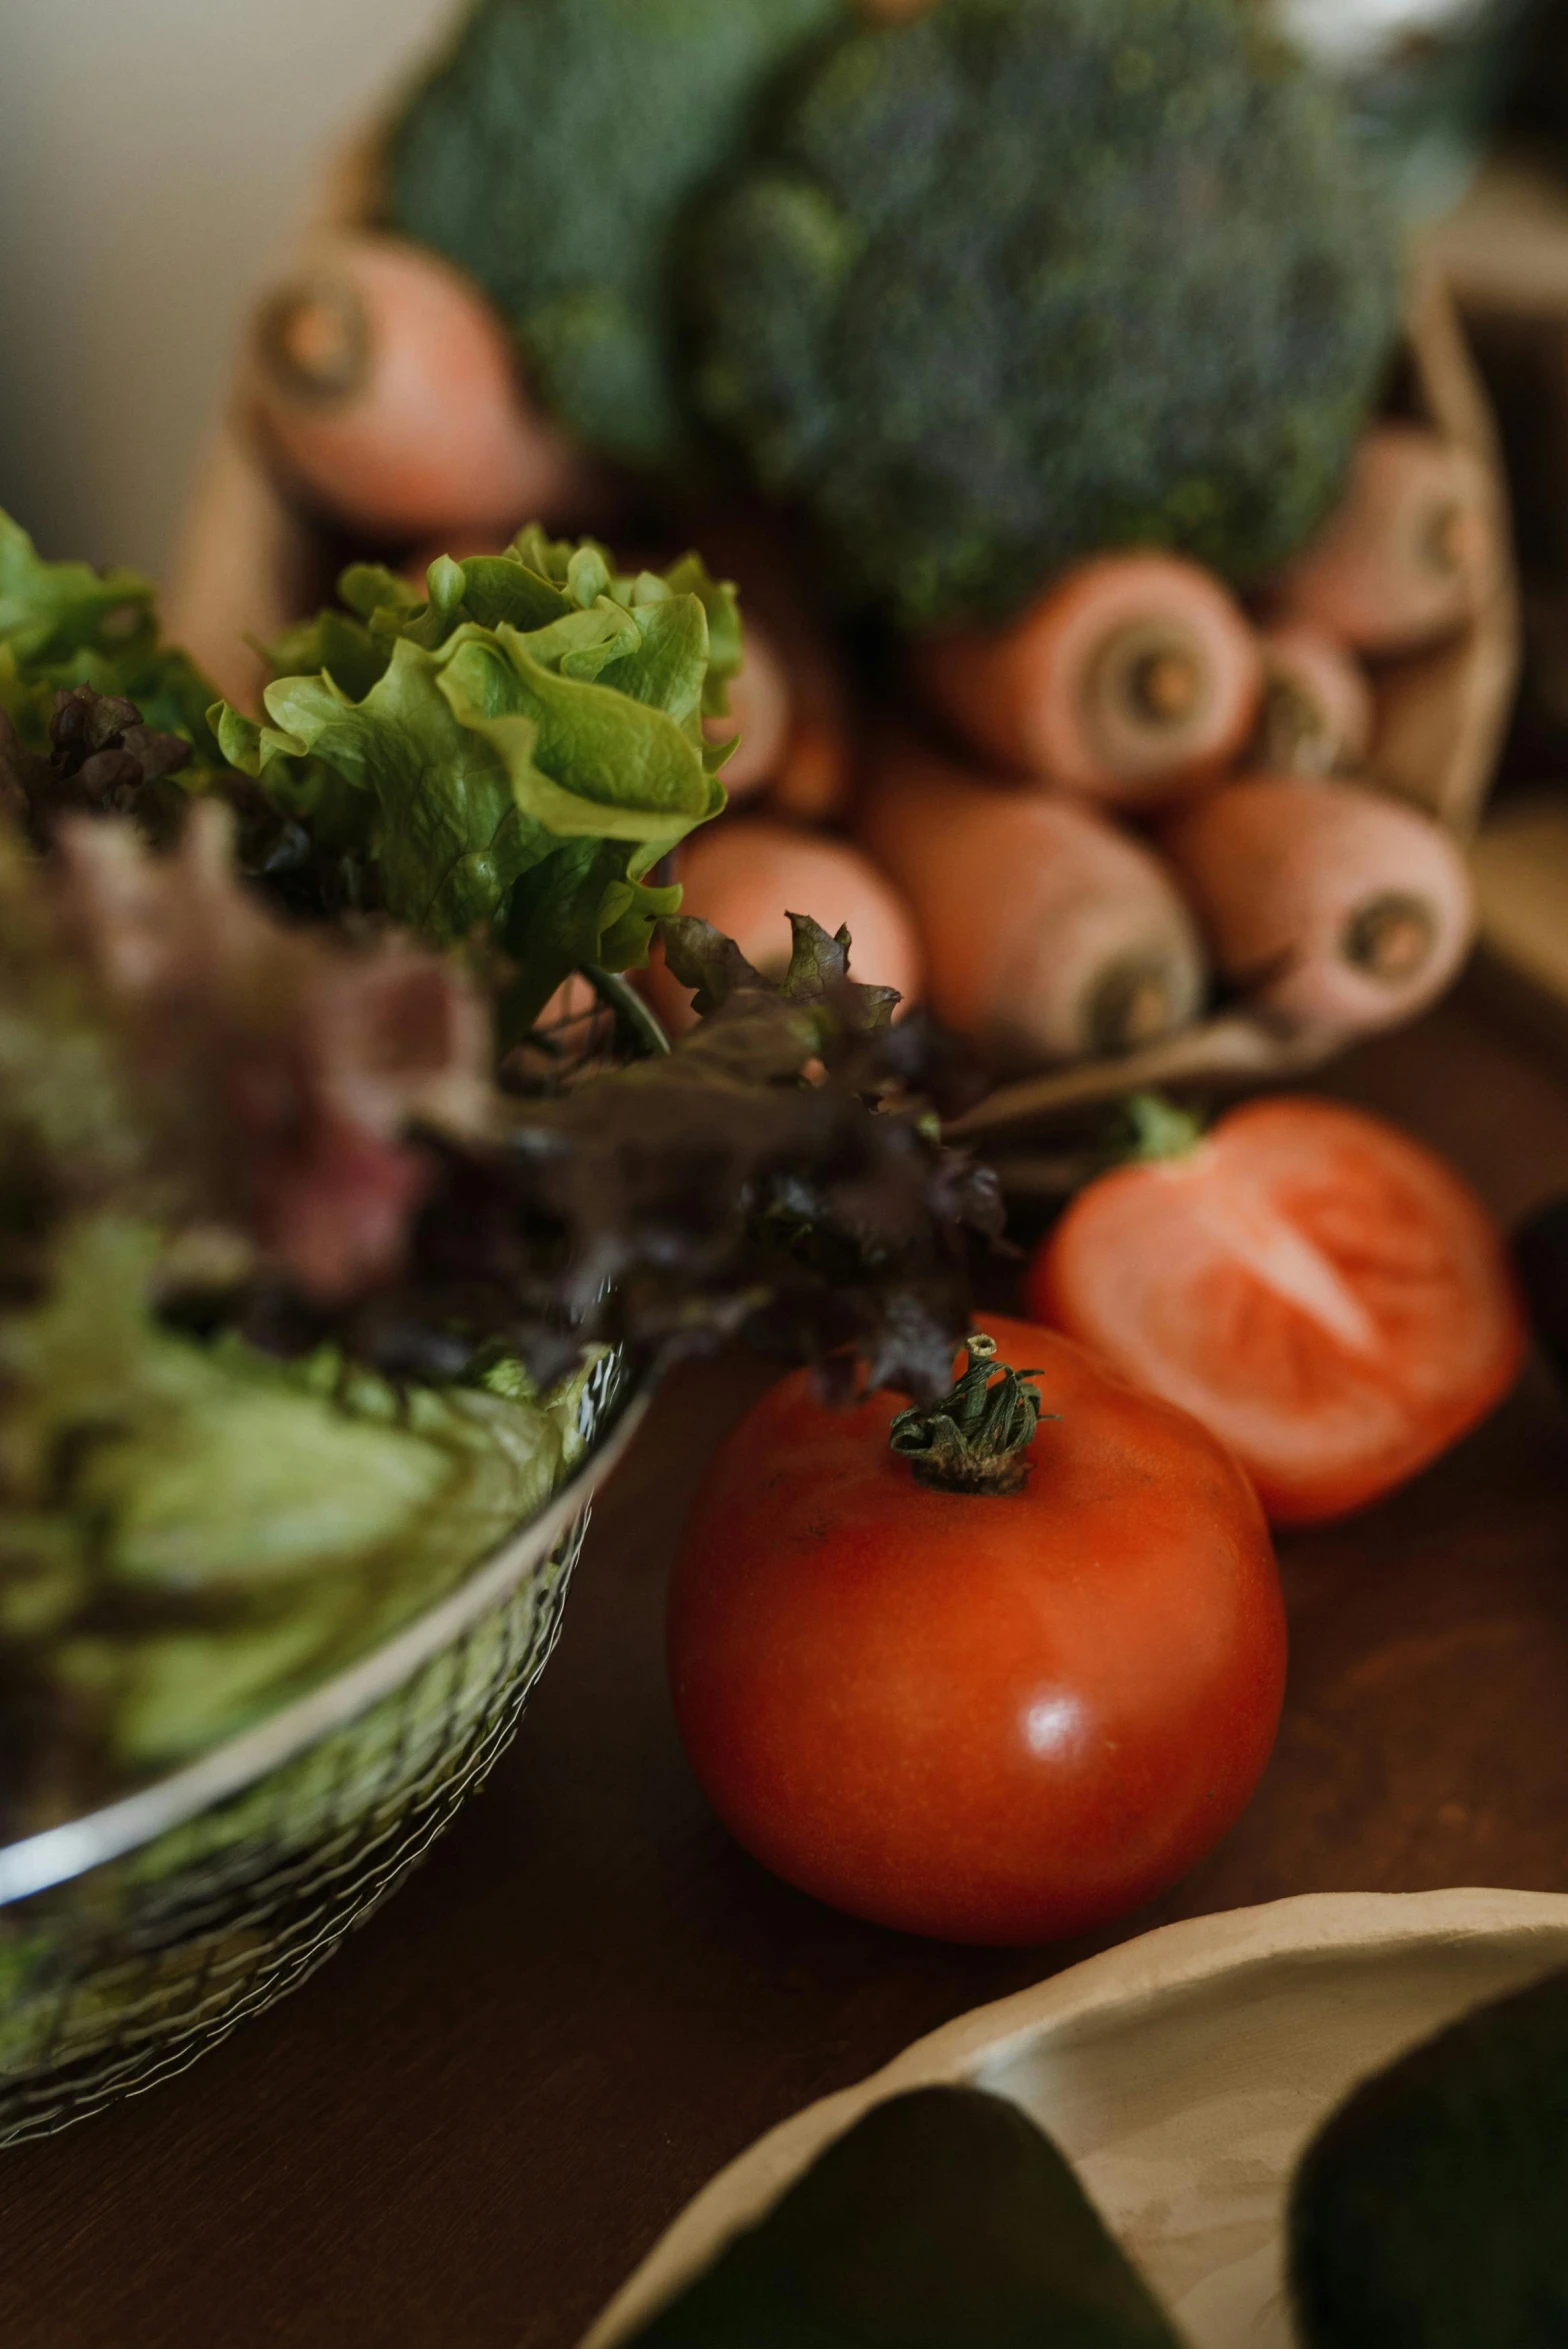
<point>39,1863</point>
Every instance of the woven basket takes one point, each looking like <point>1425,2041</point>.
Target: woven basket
<point>135,1938</point>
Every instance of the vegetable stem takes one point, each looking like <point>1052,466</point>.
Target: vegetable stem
<point>1158,1129</point>
<point>1165,687</point>
<point>629,1007</point>
<point>977,1438</point>
<point>1392,938</point>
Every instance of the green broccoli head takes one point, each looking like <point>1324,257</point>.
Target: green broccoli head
<point>1029,278</point>
<point>552,155</point>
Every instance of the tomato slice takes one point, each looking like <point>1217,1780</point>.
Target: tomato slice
<point>1318,1289</point>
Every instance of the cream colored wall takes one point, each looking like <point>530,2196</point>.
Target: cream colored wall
<point>154,157</point>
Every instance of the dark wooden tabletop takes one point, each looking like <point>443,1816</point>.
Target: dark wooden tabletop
<point>473,2123</point>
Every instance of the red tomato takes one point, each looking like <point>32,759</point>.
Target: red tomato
<point>1314,1286</point>
<point>990,1719</point>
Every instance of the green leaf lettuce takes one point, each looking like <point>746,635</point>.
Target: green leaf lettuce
<point>527,740</point>
<point>190,1534</point>
<point>65,624</point>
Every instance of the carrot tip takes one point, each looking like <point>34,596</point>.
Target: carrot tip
<point>313,340</point>
<point>1131,1005</point>
<point>1391,939</point>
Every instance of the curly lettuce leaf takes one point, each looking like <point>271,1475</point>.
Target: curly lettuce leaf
<point>190,1534</point>
<point>780,1172</point>
<point>713,967</point>
<point>726,637</point>
<point>27,701</point>
<point>64,625</point>
<point>52,611</point>
<point>165,684</point>
<point>101,760</point>
<point>535,581</point>
<point>530,746</point>
<point>69,633</point>
<point>69,1125</point>
<point>334,642</point>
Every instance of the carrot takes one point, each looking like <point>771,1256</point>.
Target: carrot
<point>761,713</point>
<point>389,392</point>
<point>575,1026</point>
<point>1408,557</point>
<point>748,875</point>
<point>1049,934</point>
<point>1329,905</point>
<point>1317,705</point>
<point>813,783</point>
<point>1134,679</point>
<point>812,775</point>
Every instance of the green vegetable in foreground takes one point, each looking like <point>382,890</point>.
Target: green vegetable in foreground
<point>552,156</point>
<point>503,759</point>
<point>65,625</point>
<point>194,1099</point>
<point>512,753</point>
<point>297,1298</point>
<point>1432,2210</point>
<point>190,1535</point>
<point>943,2217</point>
<point>1027,279</point>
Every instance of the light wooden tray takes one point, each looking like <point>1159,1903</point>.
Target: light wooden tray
<point>1183,2074</point>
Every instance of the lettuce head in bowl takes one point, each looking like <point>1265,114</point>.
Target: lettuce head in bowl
<point>300,1282</point>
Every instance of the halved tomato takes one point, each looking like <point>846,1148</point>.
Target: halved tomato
<point>1320,1290</point>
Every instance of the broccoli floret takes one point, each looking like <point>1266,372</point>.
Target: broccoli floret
<point>1030,278</point>
<point>551,156</point>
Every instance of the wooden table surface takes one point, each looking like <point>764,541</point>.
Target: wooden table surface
<point>472,2124</point>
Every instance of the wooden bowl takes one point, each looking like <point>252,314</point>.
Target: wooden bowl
<point>1182,2074</point>
<point>1441,718</point>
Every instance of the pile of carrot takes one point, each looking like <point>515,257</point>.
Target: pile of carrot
<point>1136,800</point>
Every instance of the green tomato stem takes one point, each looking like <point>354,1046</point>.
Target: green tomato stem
<point>1158,1129</point>
<point>624,999</point>
<point>976,1440</point>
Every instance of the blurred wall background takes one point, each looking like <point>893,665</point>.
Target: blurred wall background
<point>155,158</point>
